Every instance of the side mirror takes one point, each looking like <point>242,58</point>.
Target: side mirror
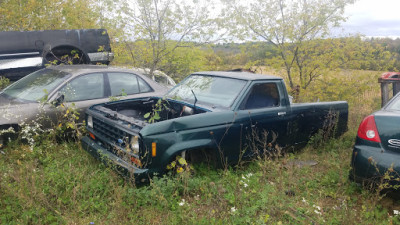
<point>59,100</point>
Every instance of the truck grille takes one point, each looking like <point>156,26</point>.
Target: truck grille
<point>116,140</point>
<point>112,134</point>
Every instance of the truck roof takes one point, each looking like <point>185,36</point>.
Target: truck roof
<point>239,75</point>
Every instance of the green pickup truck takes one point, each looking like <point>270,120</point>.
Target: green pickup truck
<point>222,117</point>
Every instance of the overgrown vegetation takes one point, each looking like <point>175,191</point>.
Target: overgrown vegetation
<point>46,178</point>
<point>58,182</point>
<point>61,183</point>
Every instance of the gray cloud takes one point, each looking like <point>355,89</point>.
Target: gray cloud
<point>373,27</point>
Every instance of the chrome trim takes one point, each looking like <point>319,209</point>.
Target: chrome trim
<point>394,142</point>
<point>101,56</point>
<point>21,63</point>
<point>20,54</point>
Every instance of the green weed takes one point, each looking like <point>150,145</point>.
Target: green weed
<point>4,82</point>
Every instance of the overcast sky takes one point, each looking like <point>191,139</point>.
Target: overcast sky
<point>373,18</point>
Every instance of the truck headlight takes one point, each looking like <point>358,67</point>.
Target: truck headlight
<point>90,121</point>
<point>134,145</point>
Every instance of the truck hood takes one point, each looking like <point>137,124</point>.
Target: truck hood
<point>208,119</point>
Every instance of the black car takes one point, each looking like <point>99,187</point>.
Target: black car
<point>23,52</point>
<point>376,152</point>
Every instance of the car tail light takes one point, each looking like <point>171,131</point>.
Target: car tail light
<point>367,129</point>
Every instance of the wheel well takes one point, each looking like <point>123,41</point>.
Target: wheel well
<point>66,55</point>
<point>11,134</point>
<point>207,156</point>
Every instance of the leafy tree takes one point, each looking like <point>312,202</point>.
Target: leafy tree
<point>290,26</point>
<point>166,25</point>
<point>359,54</point>
<point>184,61</point>
<point>47,14</point>
<point>178,64</point>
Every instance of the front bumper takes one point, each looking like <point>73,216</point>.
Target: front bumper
<point>372,163</point>
<point>110,159</point>
<point>101,57</point>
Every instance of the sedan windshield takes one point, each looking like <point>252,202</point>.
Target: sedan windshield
<point>216,91</point>
<point>36,85</point>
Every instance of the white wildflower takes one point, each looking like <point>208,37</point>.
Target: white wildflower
<point>396,212</point>
<point>317,210</point>
<point>317,207</point>
<point>243,183</point>
<point>9,130</point>
<point>233,209</point>
<point>182,203</point>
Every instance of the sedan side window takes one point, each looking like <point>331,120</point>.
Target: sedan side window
<point>262,96</point>
<point>86,87</point>
<point>144,87</point>
<point>123,83</point>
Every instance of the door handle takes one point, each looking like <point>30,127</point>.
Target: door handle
<point>281,113</point>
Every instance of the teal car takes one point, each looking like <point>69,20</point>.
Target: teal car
<point>219,117</point>
<point>377,149</point>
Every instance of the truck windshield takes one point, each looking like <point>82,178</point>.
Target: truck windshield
<point>35,86</point>
<point>216,91</point>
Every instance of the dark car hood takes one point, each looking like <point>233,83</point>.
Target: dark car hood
<point>388,124</point>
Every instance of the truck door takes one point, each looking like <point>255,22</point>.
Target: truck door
<point>266,107</point>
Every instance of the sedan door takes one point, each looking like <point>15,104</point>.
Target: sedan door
<point>84,91</point>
